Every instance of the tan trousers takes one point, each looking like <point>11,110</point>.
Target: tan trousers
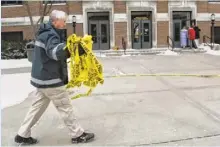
<point>59,97</point>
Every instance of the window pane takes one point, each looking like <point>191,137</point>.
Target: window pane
<point>104,33</point>
<point>94,32</point>
<point>136,32</point>
<point>177,31</point>
<point>12,36</point>
<point>5,2</point>
<point>146,32</point>
<point>54,1</point>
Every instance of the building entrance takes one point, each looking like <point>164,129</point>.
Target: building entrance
<point>141,29</point>
<point>99,29</point>
<point>180,20</point>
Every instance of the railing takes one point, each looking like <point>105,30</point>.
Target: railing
<point>205,37</point>
<point>123,44</point>
<point>169,39</point>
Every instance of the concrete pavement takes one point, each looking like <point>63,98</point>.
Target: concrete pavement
<point>138,111</point>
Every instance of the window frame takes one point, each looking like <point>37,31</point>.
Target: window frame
<point>10,33</point>
<point>61,2</point>
<point>17,3</point>
<point>214,1</point>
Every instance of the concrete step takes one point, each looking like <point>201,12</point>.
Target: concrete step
<point>145,51</point>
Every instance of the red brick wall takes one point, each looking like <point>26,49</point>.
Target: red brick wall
<point>79,29</point>
<point>214,8</point>
<point>162,6</point>
<point>71,7</point>
<point>20,11</point>
<point>162,33</point>
<point>120,31</point>
<point>204,7</point>
<point>27,30</point>
<point>75,7</point>
<point>119,6</point>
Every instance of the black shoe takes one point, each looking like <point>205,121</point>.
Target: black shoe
<point>85,137</point>
<point>30,140</point>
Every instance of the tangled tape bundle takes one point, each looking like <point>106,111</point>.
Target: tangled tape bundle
<point>85,69</point>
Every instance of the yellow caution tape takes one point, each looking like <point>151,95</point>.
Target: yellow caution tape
<point>170,75</point>
<point>86,69</point>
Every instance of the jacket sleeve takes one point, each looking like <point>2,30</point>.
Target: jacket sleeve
<point>55,49</point>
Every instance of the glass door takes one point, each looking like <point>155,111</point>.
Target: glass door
<point>146,34</point>
<point>136,34</point>
<point>93,30</point>
<point>177,26</point>
<point>103,34</point>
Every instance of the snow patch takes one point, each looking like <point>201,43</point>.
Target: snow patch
<point>209,50</point>
<point>213,52</point>
<point>15,63</point>
<point>126,55</point>
<point>99,55</point>
<point>169,53</point>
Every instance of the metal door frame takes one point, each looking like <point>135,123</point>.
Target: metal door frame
<point>136,45</point>
<point>104,46</point>
<point>96,45</point>
<point>176,44</point>
<point>140,44</point>
<point>99,45</point>
<point>146,44</point>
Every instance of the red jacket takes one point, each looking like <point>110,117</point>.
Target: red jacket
<point>192,34</point>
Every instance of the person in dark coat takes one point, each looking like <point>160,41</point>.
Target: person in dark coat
<point>49,77</point>
<point>197,33</point>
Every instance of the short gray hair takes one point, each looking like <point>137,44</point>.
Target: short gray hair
<point>57,14</point>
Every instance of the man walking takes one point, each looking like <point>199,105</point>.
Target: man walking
<point>49,76</point>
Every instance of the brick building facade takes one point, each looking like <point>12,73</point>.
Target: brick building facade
<point>143,24</point>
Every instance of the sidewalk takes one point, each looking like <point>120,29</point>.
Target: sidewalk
<point>135,111</point>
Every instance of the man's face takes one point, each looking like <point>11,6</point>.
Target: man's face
<point>60,24</point>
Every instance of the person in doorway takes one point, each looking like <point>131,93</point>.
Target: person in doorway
<point>191,34</point>
<point>197,33</point>
<point>49,76</point>
<point>183,37</point>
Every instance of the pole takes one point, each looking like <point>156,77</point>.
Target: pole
<point>74,29</point>
<point>212,34</point>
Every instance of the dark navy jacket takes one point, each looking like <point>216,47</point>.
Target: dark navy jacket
<point>49,68</point>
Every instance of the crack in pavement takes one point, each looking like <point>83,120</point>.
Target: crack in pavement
<point>152,91</point>
<point>178,140</point>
